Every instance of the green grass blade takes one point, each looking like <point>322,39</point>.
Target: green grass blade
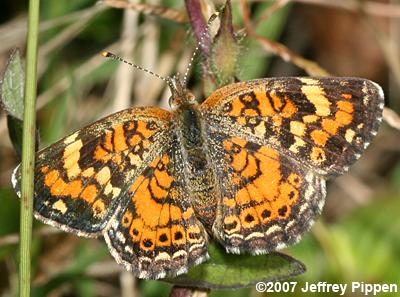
<point>28,149</point>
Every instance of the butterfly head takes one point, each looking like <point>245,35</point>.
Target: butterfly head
<point>180,95</point>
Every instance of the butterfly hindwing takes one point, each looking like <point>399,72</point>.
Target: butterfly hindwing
<point>267,201</point>
<point>157,232</point>
<point>80,179</point>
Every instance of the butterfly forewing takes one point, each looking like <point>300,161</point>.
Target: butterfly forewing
<point>80,180</point>
<point>323,123</point>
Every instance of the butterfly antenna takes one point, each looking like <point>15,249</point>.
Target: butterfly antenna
<point>110,55</point>
<point>199,44</point>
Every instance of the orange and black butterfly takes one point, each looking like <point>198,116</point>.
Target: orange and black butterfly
<point>247,167</point>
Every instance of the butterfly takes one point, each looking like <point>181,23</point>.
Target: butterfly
<point>247,167</point>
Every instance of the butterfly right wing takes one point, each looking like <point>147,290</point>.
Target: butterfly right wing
<point>268,201</point>
<point>274,142</point>
<point>323,123</point>
<point>79,180</point>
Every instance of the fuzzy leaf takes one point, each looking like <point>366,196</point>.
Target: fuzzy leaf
<point>225,271</point>
<point>12,86</point>
<point>224,50</point>
<point>15,133</point>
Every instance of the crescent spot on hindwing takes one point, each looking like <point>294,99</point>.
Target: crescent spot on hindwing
<point>157,233</point>
<point>267,201</point>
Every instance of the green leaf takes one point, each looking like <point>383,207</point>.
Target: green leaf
<point>15,133</point>
<point>224,50</point>
<point>12,86</point>
<point>9,211</point>
<point>225,271</point>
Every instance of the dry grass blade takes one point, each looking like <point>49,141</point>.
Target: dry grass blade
<point>311,67</point>
<point>65,36</point>
<point>271,10</point>
<point>391,118</point>
<point>124,75</point>
<point>14,32</point>
<point>128,284</point>
<point>86,68</point>
<point>149,59</point>
<point>160,11</point>
<point>14,238</point>
<point>278,49</point>
<point>369,7</point>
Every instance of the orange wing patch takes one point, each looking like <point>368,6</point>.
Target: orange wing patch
<point>323,123</point>
<point>265,197</point>
<point>261,172</point>
<point>79,179</point>
<point>157,232</point>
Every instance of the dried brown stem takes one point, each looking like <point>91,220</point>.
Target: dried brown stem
<point>370,7</point>
<point>391,118</point>
<point>271,10</point>
<point>124,75</point>
<point>14,238</point>
<point>149,58</point>
<point>160,11</point>
<point>278,49</point>
<point>14,32</point>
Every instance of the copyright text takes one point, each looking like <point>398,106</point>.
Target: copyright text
<point>366,289</point>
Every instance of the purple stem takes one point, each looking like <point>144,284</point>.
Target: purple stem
<point>198,24</point>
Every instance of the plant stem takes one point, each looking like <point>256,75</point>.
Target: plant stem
<point>28,150</point>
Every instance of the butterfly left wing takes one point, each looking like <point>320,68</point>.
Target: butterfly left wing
<point>79,180</point>
<point>157,233</point>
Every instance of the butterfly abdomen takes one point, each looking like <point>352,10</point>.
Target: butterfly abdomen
<point>199,174</point>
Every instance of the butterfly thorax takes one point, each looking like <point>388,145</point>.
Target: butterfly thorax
<point>198,172</point>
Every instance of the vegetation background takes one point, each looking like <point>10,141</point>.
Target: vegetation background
<point>357,237</point>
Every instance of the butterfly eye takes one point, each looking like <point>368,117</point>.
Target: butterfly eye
<point>190,98</point>
<point>171,102</point>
